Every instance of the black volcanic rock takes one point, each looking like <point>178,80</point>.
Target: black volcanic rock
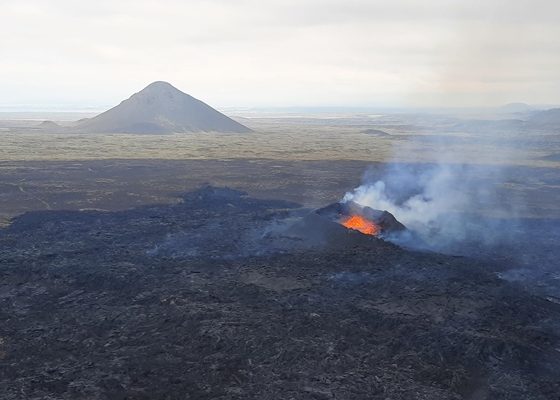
<point>189,301</point>
<point>161,108</point>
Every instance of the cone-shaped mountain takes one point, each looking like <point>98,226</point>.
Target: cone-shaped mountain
<point>161,108</point>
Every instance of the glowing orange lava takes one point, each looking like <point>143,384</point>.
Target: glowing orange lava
<point>359,223</point>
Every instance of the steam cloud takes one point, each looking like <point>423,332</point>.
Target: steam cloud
<point>446,206</point>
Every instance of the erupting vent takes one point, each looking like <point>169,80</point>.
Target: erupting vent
<point>360,218</point>
<point>361,224</point>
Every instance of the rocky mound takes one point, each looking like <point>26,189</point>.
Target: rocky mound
<point>384,219</point>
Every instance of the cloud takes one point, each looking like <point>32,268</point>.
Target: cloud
<point>307,52</point>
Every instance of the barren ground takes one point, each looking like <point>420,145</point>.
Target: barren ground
<point>140,290</point>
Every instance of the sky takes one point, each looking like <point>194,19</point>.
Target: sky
<point>79,54</point>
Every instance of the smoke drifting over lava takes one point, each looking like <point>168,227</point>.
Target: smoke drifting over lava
<point>448,207</point>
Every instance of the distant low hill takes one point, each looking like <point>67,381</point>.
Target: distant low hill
<point>375,132</point>
<point>160,108</point>
<point>481,126</point>
<point>547,118</point>
<point>538,120</point>
<point>552,157</point>
<point>48,125</point>
<point>515,108</point>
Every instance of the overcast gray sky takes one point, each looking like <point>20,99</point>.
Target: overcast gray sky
<point>70,53</point>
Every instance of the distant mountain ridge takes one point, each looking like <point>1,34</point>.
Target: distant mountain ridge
<point>515,108</point>
<point>537,120</point>
<point>161,108</point>
<point>547,118</point>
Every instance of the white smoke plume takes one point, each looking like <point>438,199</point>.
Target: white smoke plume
<point>447,206</point>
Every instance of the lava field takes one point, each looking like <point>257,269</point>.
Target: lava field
<point>216,297</point>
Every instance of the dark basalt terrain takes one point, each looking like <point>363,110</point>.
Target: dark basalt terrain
<point>210,299</point>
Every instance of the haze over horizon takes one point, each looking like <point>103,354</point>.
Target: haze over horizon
<point>273,53</point>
